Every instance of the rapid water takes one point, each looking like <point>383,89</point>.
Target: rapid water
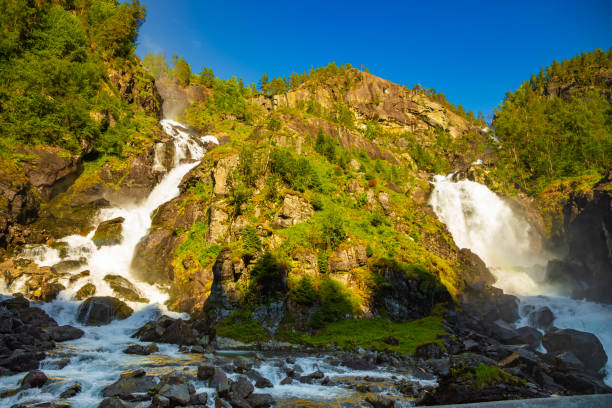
<point>480,220</point>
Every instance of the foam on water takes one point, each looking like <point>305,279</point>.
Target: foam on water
<point>480,220</point>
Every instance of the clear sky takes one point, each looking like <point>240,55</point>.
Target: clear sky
<point>473,52</point>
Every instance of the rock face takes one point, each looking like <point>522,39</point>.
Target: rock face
<point>109,232</point>
<point>224,295</point>
<point>53,171</point>
<point>587,269</point>
<point>124,289</point>
<point>585,346</point>
<point>137,88</point>
<point>293,210</point>
<point>97,311</point>
<point>348,257</point>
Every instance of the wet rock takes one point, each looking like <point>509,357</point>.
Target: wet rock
<point>198,399</point>
<point>65,333</point>
<point>97,311</point>
<point>141,350</point>
<point>19,361</point>
<point>261,400</point>
<point>109,232</point>
<point>112,403</point>
<point>49,291</point>
<point>131,384</point>
<point>124,289</point>
<point>176,389</point>
<point>219,382</point>
<point>87,290</point>
<point>542,318</point>
<point>71,391</point>
<point>241,388</point>
<point>568,361</point>
<point>34,379</point>
<point>205,372</point>
<point>294,210</point>
<point>530,336</point>
<point>380,401</point>
<point>242,365</point>
<point>68,266</point>
<point>77,276</point>
<point>168,330</point>
<point>585,346</point>
<point>286,380</point>
<point>48,404</point>
<point>219,403</point>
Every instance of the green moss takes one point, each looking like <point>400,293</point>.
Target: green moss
<point>240,326</point>
<point>372,333</point>
<point>484,375</point>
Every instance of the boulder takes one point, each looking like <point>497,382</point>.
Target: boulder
<point>293,210</point>
<point>64,333</point>
<point>241,388</point>
<point>168,330</point>
<point>530,336</point>
<point>176,389</point>
<point>68,266</point>
<point>109,232</point>
<point>132,383</point>
<point>97,311</point>
<point>261,400</point>
<point>585,346</point>
<point>205,372</point>
<point>542,318</point>
<point>141,350</point>
<point>504,332</point>
<point>87,290</point>
<point>34,379</point>
<point>124,289</point>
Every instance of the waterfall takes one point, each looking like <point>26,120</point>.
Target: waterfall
<point>482,221</point>
<point>97,357</point>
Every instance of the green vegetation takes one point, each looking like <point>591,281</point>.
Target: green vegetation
<point>484,375</point>
<point>55,59</point>
<point>546,134</point>
<point>374,334</point>
<point>240,326</point>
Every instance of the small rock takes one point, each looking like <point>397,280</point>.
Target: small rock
<point>205,372</point>
<point>86,291</point>
<point>64,333</point>
<point>286,380</point>
<point>34,379</point>
<point>380,401</point>
<point>71,391</point>
<point>141,350</point>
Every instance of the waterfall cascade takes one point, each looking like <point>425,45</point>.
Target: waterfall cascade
<point>480,220</point>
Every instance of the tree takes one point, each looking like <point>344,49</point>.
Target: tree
<point>156,64</point>
<point>207,77</point>
<point>182,70</point>
<point>264,85</point>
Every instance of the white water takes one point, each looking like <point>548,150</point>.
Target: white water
<point>480,220</point>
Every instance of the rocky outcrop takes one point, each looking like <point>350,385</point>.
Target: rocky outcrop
<point>347,257</point>
<point>98,311</point>
<point>41,283</point>
<point>293,210</point>
<point>136,86</point>
<point>402,295</point>
<point>52,170</point>
<point>169,330</point>
<point>109,232</point>
<point>586,272</point>
<point>176,98</point>
<point>225,295</point>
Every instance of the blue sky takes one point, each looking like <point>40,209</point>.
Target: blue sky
<point>473,52</point>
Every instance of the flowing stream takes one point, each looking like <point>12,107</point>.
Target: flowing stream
<point>480,220</point>
<point>97,359</point>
